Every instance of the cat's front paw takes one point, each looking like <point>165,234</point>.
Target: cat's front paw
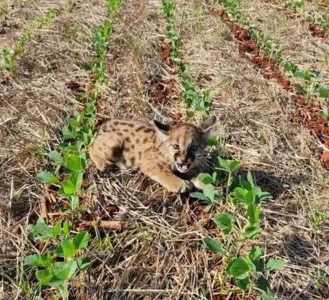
<point>197,183</point>
<point>181,187</point>
<point>187,186</point>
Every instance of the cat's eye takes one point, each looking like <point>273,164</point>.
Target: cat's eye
<point>175,146</point>
<point>193,147</point>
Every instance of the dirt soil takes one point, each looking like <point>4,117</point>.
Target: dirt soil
<point>306,113</point>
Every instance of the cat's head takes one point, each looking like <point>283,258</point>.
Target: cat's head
<point>185,142</point>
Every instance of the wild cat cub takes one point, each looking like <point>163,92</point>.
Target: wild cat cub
<point>165,153</point>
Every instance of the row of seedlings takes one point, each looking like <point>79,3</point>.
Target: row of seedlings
<point>61,255</point>
<point>266,54</point>
<point>10,56</point>
<point>318,21</point>
<point>235,204</point>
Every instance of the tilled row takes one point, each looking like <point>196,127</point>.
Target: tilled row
<point>306,113</point>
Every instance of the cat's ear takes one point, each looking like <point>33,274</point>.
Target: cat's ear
<point>162,130</point>
<point>208,125</point>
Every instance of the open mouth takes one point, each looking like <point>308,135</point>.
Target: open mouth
<point>184,167</point>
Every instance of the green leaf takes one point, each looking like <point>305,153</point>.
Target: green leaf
<point>69,187</point>
<point>224,163</point>
<point>212,141</point>
<point>80,241</point>
<point>245,185</point>
<point>224,221</point>
<point>74,202</point>
<point>275,264</point>
<point>287,67</point>
<point>38,260</point>
<point>44,276</point>
<point>252,231</point>
<point>47,177</point>
<point>250,179</point>
<point>250,197</point>
<point>41,229</point>
<point>238,268</point>
<point>68,134</point>
<point>263,284</point>
<point>57,229</point>
<point>263,287</point>
<point>75,162</point>
<point>65,270</point>
<point>58,283</point>
<point>214,177</point>
<point>300,74</point>
<point>67,147</point>
<point>264,196</point>
<point>255,253</point>
<point>209,191</point>
<point>67,227</point>
<point>242,283</point>
<point>74,123</point>
<point>213,245</point>
<point>69,249</point>
<point>77,178</point>
<point>324,93</point>
<point>199,195</point>
<point>240,194</point>
<point>205,178</point>
<point>253,213</point>
<point>234,165</point>
<point>83,263</point>
<point>56,158</point>
<point>300,90</point>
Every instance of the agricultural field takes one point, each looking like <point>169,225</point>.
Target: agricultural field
<point>259,229</point>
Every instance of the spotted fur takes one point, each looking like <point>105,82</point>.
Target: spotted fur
<point>170,155</point>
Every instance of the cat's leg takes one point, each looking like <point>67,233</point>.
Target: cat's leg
<point>106,150</point>
<point>165,176</point>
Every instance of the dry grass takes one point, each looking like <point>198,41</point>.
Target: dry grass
<point>299,45</point>
<point>159,255</point>
<point>33,106</point>
<point>283,156</point>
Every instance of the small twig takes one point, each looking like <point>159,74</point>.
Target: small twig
<point>54,214</point>
<point>43,207</point>
<point>8,256</point>
<point>112,225</point>
<point>52,198</point>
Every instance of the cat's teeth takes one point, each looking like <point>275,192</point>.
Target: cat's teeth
<point>184,167</point>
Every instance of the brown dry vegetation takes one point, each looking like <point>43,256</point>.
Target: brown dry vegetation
<point>299,45</point>
<point>159,255</point>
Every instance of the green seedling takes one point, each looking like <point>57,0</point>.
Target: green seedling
<point>195,100</point>
<point>247,272</point>
<point>68,161</point>
<point>294,5</point>
<point>102,34</point>
<point>113,8</point>
<point>61,263</point>
<point>70,157</point>
<point>209,195</point>
<point>311,87</point>
<point>241,222</point>
<point>270,46</point>
<point>9,56</point>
